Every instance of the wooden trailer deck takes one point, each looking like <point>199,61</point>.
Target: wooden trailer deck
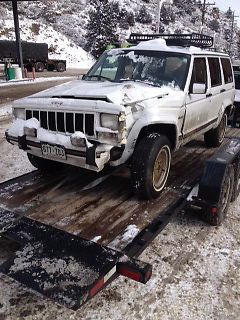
<point>106,210</point>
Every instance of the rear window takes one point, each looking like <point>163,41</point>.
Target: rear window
<point>227,70</point>
<point>237,80</point>
<point>214,65</point>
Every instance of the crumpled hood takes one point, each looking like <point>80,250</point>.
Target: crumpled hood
<point>117,93</point>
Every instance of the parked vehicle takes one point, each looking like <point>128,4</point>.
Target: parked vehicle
<point>34,55</point>
<point>135,105</point>
<point>236,113</point>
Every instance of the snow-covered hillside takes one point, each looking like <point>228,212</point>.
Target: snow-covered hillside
<point>62,23</point>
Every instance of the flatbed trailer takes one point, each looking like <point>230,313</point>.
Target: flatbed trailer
<point>58,218</point>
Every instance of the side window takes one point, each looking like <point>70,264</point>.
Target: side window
<point>227,70</point>
<point>215,73</point>
<point>199,71</point>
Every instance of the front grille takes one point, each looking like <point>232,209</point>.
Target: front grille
<point>66,122</point>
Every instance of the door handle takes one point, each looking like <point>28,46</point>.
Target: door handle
<point>208,95</point>
<point>223,90</point>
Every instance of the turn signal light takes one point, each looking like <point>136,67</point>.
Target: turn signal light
<point>31,132</point>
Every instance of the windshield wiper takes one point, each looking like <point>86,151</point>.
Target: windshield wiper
<point>146,82</point>
<point>141,81</point>
<point>98,76</point>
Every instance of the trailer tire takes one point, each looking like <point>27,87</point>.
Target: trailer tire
<point>39,66</point>
<point>150,165</point>
<point>236,186</point>
<point>225,197</point>
<point>214,137</point>
<point>43,164</point>
<point>61,67</point>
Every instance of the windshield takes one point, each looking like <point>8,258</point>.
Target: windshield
<point>237,80</point>
<point>151,67</point>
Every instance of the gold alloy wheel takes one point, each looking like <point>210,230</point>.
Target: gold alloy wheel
<point>161,168</point>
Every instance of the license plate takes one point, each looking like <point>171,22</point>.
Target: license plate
<point>53,151</point>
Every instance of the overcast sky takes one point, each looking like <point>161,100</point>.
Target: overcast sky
<point>225,4</point>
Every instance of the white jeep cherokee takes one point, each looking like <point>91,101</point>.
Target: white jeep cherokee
<point>135,105</point>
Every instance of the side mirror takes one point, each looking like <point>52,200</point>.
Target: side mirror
<point>198,88</point>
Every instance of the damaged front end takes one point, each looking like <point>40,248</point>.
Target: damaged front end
<point>85,139</point>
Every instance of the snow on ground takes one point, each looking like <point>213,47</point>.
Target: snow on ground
<point>31,81</point>
<point>5,111</point>
<point>62,47</point>
<point>196,271</point>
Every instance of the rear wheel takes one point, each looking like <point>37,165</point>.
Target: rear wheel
<point>217,217</point>
<point>39,66</point>
<point>214,137</point>
<point>150,165</point>
<point>61,67</point>
<point>43,164</point>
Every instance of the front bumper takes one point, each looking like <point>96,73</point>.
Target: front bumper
<point>93,158</point>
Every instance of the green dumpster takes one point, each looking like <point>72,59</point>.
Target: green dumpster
<point>11,73</point>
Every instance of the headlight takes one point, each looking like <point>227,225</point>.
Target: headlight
<point>19,113</point>
<point>109,121</point>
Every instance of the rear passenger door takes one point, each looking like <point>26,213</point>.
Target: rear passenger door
<point>216,90</point>
<point>229,88</point>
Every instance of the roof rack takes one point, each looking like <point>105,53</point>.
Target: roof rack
<point>183,40</point>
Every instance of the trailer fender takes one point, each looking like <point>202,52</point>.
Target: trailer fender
<point>219,184</point>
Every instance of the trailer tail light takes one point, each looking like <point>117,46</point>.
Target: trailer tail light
<point>136,270</point>
<point>213,211</point>
<point>129,274</point>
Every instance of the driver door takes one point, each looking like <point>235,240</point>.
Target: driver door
<point>197,104</point>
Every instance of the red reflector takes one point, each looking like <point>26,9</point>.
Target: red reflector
<point>214,211</point>
<point>98,285</point>
<point>129,274</point>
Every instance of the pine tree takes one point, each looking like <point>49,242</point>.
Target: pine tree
<point>144,16</point>
<point>101,28</point>
<point>214,25</point>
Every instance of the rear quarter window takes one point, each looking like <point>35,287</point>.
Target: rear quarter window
<point>237,80</point>
<point>227,70</point>
<point>215,72</point>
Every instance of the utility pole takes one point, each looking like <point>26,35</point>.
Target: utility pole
<point>204,6</point>
<point>17,33</point>
<point>232,31</point>
<point>159,8</point>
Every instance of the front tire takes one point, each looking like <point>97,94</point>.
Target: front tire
<point>150,165</point>
<point>214,137</point>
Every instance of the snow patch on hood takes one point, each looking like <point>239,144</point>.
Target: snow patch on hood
<point>117,93</point>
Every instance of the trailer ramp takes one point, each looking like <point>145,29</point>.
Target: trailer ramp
<point>64,267</point>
